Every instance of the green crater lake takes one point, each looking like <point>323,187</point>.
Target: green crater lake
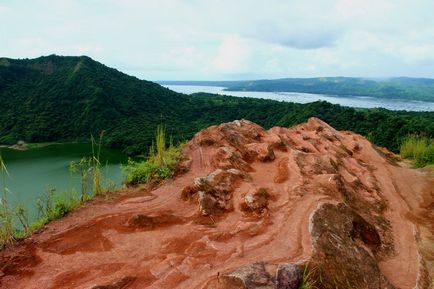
<point>32,172</point>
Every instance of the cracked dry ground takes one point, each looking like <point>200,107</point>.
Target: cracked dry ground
<point>245,195</point>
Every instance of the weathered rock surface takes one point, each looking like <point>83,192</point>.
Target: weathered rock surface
<point>288,276</point>
<point>259,276</point>
<point>341,236</point>
<point>249,208</point>
<point>256,202</point>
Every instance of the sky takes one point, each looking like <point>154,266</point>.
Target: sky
<point>228,39</point>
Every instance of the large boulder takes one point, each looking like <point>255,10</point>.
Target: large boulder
<point>345,247</point>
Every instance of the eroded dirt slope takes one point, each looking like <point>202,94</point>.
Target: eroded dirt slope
<point>246,195</point>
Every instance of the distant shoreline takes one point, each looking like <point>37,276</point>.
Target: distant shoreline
<point>356,102</point>
<point>28,146</point>
<point>403,88</point>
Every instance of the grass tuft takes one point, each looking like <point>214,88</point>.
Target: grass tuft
<point>160,164</point>
<point>419,149</point>
<point>308,281</point>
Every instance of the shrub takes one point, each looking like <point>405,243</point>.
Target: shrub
<point>419,149</point>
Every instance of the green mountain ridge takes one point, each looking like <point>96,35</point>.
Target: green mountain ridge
<point>62,98</point>
<point>65,98</point>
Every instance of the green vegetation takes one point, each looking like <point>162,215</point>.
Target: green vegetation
<point>89,170</point>
<point>84,169</point>
<point>96,165</point>
<point>392,88</point>
<point>6,215</point>
<point>419,149</point>
<point>15,223</point>
<point>308,281</point>
<point>53,206</point>
<point>160,164</point>
<point>57,98</point>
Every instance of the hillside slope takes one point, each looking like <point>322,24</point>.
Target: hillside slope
<point>64,98</point>
<point>249,210</point>
<point>58,98</point>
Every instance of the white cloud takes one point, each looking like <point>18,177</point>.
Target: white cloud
<point>187,57</point>
<point>222,39</point>
<point>365,9</point>
<point>417,53</point>
<point>232,55</point>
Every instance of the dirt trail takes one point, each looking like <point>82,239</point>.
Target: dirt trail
<point>247,195</point>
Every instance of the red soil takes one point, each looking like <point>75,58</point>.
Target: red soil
<point>166,239</point>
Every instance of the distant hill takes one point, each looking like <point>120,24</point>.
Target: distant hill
<point>61,98</point>
<point>391,88</point>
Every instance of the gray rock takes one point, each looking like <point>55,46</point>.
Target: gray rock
<point>288,276</point>
<point>253,276</point>
<point>260,275</point>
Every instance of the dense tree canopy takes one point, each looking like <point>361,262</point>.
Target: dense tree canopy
<point>57,98</point>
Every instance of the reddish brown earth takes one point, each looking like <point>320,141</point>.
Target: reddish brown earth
<point>309,193</point>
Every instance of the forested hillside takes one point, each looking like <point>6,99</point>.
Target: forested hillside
<point>57,98</point>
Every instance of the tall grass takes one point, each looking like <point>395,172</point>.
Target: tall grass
<point>159,165</point>
<point>96,165</point>
<point>308,281</point>
<point>23,218</point>
<point>53,205</point>
<point>419,149</point>
<point>89,169</point>
<point>15,224</point>
<point>83,167</point>
<point>6,214</point>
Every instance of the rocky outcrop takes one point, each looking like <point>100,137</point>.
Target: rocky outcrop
<point>249,208</point>
<point>259,276</point>
<point>214,191</point>
<point>256,202</point>
<point>345,249</point>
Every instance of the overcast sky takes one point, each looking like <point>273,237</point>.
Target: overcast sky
<point>228,40</point>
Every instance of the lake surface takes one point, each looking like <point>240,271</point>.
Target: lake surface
<point>33,171</point>
<point>354,101</point>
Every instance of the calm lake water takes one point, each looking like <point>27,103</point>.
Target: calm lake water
<point>33,171</point>
<point>356,101</point>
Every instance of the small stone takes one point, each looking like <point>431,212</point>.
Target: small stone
<point>288,276</point>
<point>253,276</point>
